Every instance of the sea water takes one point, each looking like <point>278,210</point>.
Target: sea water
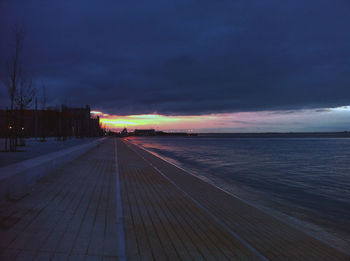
<point>307,179</point>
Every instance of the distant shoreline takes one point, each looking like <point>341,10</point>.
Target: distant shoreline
<point>344,134</point>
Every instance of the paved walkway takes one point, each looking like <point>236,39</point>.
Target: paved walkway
<point>168,214</point>
<point>70,215</point>
<point>161,223</point>
<point>35,148</point>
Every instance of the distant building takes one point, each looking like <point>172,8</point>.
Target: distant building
<point>145,132</point>
<point>54,122</point>
<point>124,132</point>
<point>78,120</point>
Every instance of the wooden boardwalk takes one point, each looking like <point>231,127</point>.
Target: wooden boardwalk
<point>70,214</point>
<point>166,214</point>
<point>170,214</point>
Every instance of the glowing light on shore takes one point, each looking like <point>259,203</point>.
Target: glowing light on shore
<point>99,113</point>
<point>96,112</point>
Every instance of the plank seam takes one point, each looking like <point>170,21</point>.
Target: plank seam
<point>120,218</point>
<point>245,243</point>
<point>245,201</point>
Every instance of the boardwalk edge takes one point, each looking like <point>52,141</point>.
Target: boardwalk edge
<point>121,253</point>
<point>291,224</point>
<point>244,242</point>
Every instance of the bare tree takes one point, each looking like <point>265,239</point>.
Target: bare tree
<point>25,94</point>
<point>12,80</point>
<point>43,116</point>
<point>14,65</point>
<point>24,97</point>
<point>43,98</point>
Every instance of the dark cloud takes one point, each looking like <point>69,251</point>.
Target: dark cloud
<point>185,57</point>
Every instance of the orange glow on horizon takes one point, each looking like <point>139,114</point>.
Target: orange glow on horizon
<point>298,120</point>
<point>154,121</point>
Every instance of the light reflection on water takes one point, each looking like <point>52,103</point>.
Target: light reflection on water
<point>303,177</point>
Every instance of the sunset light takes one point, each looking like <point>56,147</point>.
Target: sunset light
<point>275,121</point>
<point>174,130</point>
<point>151,121</point>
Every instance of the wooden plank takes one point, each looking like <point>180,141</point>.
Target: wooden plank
<point>96,244</point>
<point>33,209</point>
<point>25,256</point>
<point>43,256</point>
<point>170,218</point>
<point>273,238</point>
<point>110,230</point>
<point>93,258</point>
<point>8,254</point>
<point>139,226</point>
<point>61,226</point>
<point>60,257</point>
<point>72,216</point>
<point>52,216</point>
<point>76,257</point>
<point>164,188</point>
<point>108,258</point>
<point>132,248</point>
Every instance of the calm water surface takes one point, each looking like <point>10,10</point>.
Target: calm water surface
<point>306,178</point>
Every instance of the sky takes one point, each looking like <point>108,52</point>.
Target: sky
<point>206,66</point>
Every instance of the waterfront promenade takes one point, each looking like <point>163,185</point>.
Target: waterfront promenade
<point>119,202</point>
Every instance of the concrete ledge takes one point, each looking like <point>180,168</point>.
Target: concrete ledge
<point>16,179</point>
